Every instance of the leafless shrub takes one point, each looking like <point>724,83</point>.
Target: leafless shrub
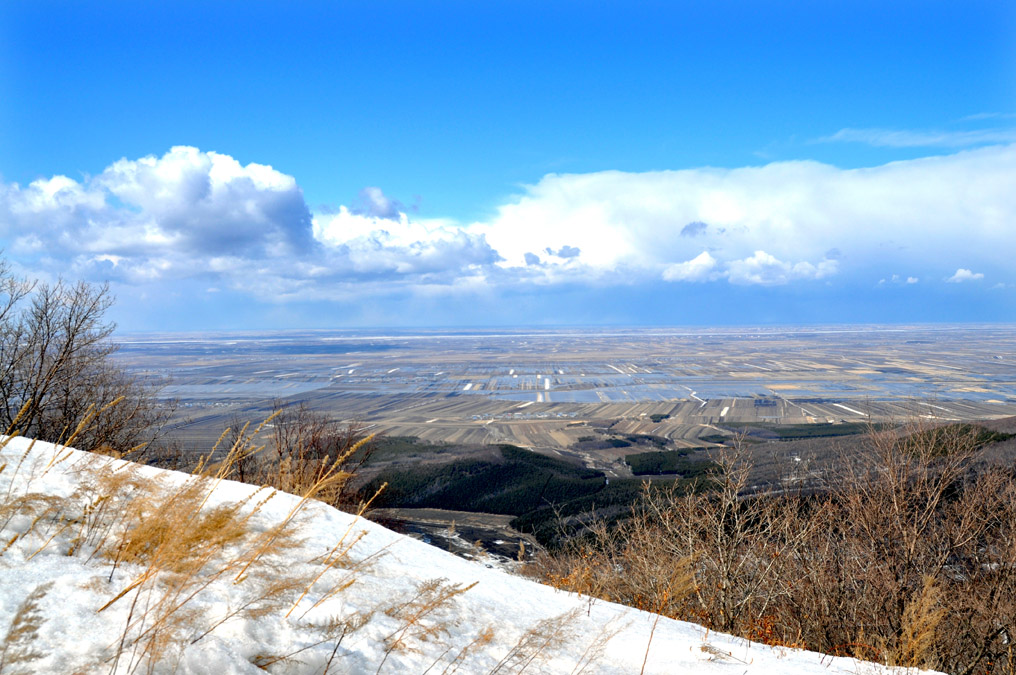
<point>294,449</point>
<point>907,557</point>
<point>56,369</point>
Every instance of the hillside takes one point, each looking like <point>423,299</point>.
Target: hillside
<point>108,566</point>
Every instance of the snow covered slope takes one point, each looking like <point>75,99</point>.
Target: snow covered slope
<point>111,567</point>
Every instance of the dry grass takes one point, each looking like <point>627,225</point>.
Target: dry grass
<point>539,643</point>
<point>922,623</point>
<point>166,542</point>
<point>295,450</point>
<point>419,616</point>
<point>17,653</point>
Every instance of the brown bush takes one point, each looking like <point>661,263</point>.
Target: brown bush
<point>295,448</point>
<point>908,556</point>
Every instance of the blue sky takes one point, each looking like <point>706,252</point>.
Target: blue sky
<point>269,164</point>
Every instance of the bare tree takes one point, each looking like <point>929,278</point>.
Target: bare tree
<point>56,371</point>
<point>298,448</point>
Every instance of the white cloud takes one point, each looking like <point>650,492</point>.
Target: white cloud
<point>564,252</point>
<point>988,116</point>
<point>760,268</point>
<point>908,138</point>
<point>964,275</point>
<point>205,202</point>
<point>158,217</point>
<point>910,213</point>
<point>373,202</point>
<point>897,279</point>
<point>377,244</point>
<point>694,229</point>
<point>700,268</point>
<point>765,269</point>
<point>194,214</point>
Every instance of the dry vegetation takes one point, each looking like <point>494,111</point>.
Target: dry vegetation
<point>162,543</point>
<point>55,368</point>
<point>165,543</point>
<point>908,556</point>
<point>294,449</point>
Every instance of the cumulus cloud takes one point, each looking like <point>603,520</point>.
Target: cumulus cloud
<point>760,268</point>
<point>565,252</point>
<point>356,247</point>
<point>195,214</point>
<point>897,279</point>
<point>700,268</point>
<point>192,214</point>
<point>765,269</point>
<point>812,221</point>
<point>158,216</point>
<point>962,275</point>
<point>201,202</point>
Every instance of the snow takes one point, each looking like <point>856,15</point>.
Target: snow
<point>489,621</point>
<point>850,410</point>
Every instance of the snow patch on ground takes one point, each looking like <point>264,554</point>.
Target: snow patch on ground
<point>366,613</point>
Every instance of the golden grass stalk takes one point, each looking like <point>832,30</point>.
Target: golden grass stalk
<point>16,648</point>
<point>555,631</point>
<point>922,618</point>
<point>430,597</point>
<point>330,477</point>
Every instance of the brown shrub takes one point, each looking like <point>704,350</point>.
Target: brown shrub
<point>908,556</point>
<point>294,449</point>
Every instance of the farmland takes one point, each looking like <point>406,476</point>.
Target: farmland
<point>547,389</point>
<point>617,407</point>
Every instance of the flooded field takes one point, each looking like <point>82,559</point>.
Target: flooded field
<point>545,389</point>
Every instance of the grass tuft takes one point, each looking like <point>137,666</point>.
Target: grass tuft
<point>16,651</point>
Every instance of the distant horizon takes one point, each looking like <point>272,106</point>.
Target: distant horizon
<point>367,332</point>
